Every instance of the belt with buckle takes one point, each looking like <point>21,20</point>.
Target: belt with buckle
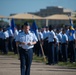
<point>25,49</point>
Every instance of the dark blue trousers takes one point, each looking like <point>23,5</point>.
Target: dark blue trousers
<point>71,49</point>
<point>1,45</point>
<point>25,61</point>
<point>5,46</point>
<point>51,58</point>
<point>56,54</point>
<point>10,43</point>
<point>64,52</point>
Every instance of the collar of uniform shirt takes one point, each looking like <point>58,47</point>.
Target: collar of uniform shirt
<point>27,32</point>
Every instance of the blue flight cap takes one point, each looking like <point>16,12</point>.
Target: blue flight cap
<point>26,24</point>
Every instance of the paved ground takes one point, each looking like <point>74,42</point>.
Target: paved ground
<point>11,66</point>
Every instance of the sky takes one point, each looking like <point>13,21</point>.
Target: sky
<point>8,7</point>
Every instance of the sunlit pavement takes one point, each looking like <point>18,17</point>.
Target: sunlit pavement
<point>11,66</point>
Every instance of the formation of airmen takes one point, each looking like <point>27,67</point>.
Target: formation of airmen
<point>7,40</point>
<point>58,43</point>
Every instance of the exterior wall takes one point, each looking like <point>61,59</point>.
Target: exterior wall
<point>51,11</point>
<point>58,22</point>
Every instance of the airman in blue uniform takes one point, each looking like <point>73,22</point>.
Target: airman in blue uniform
<point>51,43</point>
<point>5,40</point>
<point>64,44</point>
<point>26,39</point>
<point>71,44</point>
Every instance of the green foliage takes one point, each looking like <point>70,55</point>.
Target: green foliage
<point>67,64</point>
<point>21,22</point>
<point>38,59</point>
<point>41,60</point>
<point>1,20</point>
<point>11,54</point>
<point>74,23</point>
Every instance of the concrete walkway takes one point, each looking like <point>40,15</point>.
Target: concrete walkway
<point>11,66</point>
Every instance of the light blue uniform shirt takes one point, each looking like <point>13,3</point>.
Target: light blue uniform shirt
<point>44,34</point>
<point>29,37</point>
<point>57,40</point>
<point>17,38</point>
<point>40,35</point>
<point>67,32</point>
<point>71,36</point>
<point>10,32</point>
<point>59,36</point>
<point>51,36</point>
<point>6,35</point>
<point>64,38</point>
<point>15,33</point>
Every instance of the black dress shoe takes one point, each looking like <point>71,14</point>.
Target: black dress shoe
<point>48,63</point>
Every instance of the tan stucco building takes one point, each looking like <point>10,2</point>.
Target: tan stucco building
<point>52,10</point>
